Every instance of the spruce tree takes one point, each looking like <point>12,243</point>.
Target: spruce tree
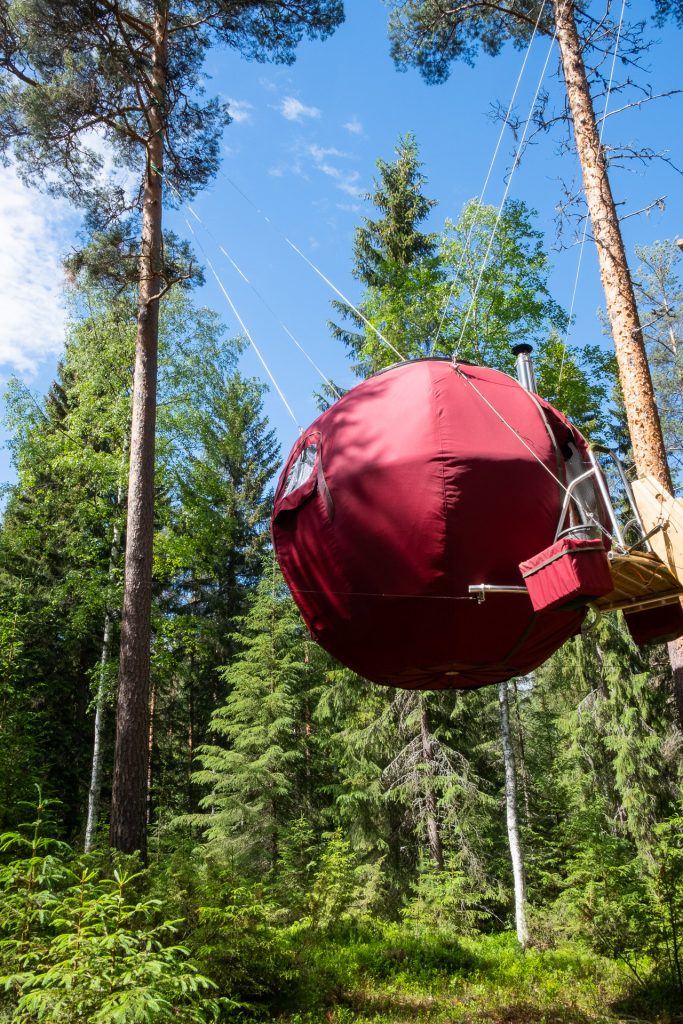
<point>253,775</point>
<point>398,265</point>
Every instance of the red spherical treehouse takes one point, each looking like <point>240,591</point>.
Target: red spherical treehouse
<point>442,526</point>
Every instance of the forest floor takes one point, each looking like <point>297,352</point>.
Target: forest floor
<point>489,981</point>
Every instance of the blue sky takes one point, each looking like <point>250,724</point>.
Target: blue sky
<point>302,149</point>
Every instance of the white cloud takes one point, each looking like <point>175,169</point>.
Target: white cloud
<point>240,110</point>
<point>354,126</point>
<point>34,232</point>
<point>319,153</point>
<point>346,180</point>
<point>294,110</point>
<point>111,171</point>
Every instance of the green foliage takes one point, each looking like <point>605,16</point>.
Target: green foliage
<point>660,301</point>
<point>453,899</point>
<point>473,291</point>
<point>426,35</point>
<point>63,531</point>
<point>80,946</point>
<point>47,115</point>
<point>338,896</point>
<point>253,776</point>
<point>398,264</point>
<point>236,939</point>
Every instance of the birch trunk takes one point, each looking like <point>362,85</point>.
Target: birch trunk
<point>523,773</point>
<point>95,787</point>
<point>96,767</point>
<point>512,817</point>
<point>432,816</point>
<point>634,372</point>
<point>129,792</point>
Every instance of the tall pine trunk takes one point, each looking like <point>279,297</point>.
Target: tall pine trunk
<point>129,794</point>
<point>634,373</point>
<point>512,817</point>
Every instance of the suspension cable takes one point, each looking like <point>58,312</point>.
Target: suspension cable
<point>361,316</point>
<point>603,121</point>
<point>244,327</point>
<point>480,198</point>
<point>326,380</point>
<point>515,164</point>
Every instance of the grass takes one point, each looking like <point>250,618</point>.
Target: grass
<point>392,975</point>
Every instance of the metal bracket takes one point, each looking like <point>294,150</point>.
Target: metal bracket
<point>480,590</point>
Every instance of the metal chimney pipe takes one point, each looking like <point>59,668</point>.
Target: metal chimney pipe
<point>525,366</point>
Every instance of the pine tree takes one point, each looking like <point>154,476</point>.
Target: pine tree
<point>132,72</point>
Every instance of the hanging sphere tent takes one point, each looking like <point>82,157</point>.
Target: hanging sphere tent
<point>421,482</point>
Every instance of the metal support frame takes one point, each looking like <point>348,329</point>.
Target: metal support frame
<point>630,497</point>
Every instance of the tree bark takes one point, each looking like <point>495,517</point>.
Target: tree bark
<point>96,766</point>
<point>649,452</point>
<point>129,794</point>
<point>675,649</point>
<point>634,371</point>
<point>523,773</point>
<point>432,817</point>
<point>95,787</point>
<point>518,875</point>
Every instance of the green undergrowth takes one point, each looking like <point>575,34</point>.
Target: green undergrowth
<point>392,974</point>
<point>84,940</point>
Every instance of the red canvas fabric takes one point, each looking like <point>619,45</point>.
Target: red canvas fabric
<point>419,489</point>
<point>656,625</point>
<point>569,569</point>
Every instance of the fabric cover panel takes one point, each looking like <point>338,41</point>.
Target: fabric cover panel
<point>656,625</point>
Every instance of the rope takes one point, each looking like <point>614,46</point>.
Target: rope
<point>244,327</point>
<point>589,515</point>
<point>409,597</point>
<point>328,282</point>
<point>261,298</point>
<point>515,164</point>
<point>480,198</point>
<point>603,121</point>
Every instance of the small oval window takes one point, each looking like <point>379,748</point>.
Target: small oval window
<point>301,469</point>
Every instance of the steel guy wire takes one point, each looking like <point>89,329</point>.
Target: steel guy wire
<point>515,164</point>
<point>480,198</point>
<point>265,303</point>
<point>244,327</point>
<point>316,269</point>
<point>603,121</point>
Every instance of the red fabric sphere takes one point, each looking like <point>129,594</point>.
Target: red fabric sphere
<point>420,481</point>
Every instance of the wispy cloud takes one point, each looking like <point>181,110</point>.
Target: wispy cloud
<point>345,179</point>
<point>321,153</point>
<point>305,158</point>
<point>354,126</point>
<point>240,110</point>
<point>33,230</point>
<point>294,110</point>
